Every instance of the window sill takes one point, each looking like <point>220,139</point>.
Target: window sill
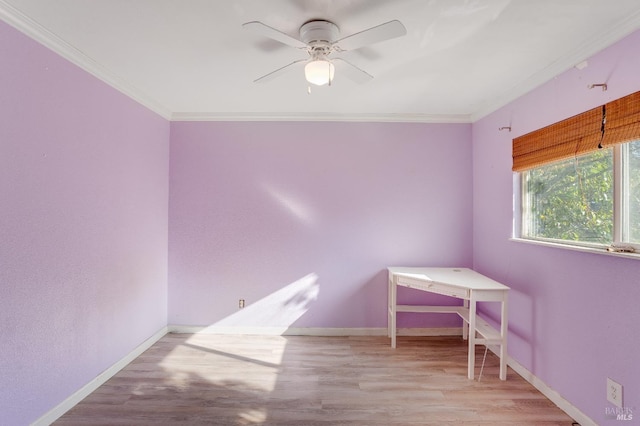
<point>594,250</point>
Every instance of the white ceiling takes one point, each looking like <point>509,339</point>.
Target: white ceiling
<point>192,60</point>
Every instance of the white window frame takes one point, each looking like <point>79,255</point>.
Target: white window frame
<point>620,211</point>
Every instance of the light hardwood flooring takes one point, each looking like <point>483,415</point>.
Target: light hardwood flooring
<point>304,380</point>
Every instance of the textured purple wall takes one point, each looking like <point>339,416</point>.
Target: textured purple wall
<point>573,316</point>
<point>255,207</point>
<point>83,227</point>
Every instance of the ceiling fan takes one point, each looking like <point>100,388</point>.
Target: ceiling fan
<point>321,39</point>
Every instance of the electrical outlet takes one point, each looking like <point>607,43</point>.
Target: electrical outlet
<point>241,303</point>
<point>614,393</point>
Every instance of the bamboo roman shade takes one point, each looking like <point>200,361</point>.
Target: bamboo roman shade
<point>616,122</point>
<point>623,120</point>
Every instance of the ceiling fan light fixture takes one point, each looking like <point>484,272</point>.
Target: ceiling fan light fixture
<point>319,72</point>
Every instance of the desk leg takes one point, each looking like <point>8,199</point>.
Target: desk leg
<point>472,338</point>
<point>465,326</point>
<point>503,334</point>
<point>393,291</point>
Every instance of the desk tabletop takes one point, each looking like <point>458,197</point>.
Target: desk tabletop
<point>459,277</point>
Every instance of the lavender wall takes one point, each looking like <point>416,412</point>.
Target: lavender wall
<point>573,316</point>
<point>83,227</point>
<point>301,219</point>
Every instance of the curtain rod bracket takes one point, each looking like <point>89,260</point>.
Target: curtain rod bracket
<point>603,85</point>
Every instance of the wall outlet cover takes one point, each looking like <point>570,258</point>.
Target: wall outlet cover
<point>614,393</point>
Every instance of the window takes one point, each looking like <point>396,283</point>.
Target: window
<point>574,200</point>
<point>578,180</point>
<point>570,199</point>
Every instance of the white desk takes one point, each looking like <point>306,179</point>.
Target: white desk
<point>461,283</point>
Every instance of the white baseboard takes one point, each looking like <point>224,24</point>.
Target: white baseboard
<point>55,413</point>
<point>314,331</point>
<point>554,396</point>
<point>571,410</point>
<point>83,392</point>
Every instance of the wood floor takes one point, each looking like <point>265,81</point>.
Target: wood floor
<point>302,380</point>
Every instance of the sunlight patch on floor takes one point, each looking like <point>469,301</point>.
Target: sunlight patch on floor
<point>257,356</point>
<point>199,360</point>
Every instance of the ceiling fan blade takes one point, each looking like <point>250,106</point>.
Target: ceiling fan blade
<point>277,73</point>
<point>382,32</point>
<point>351,71</point>
<point>259,28</point>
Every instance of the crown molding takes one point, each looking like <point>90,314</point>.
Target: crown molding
<point>378,118</point>
<point>17,19</point>
<point>23,23</point>
<point>586,50</point>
